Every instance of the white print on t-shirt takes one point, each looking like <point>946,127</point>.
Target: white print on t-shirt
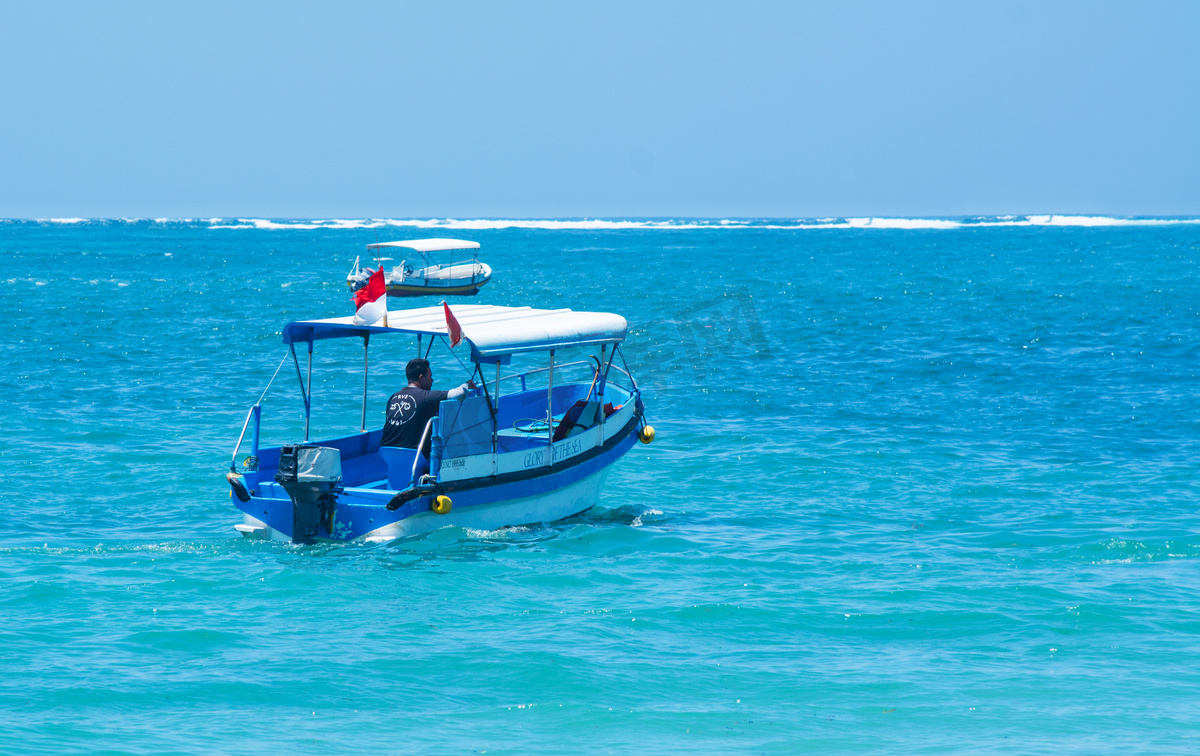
<point>402,409</point>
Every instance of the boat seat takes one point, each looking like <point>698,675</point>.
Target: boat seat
<point>511,440</point>
<point>399,466</point>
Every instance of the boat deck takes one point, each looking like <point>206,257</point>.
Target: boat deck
<point>363,467</point>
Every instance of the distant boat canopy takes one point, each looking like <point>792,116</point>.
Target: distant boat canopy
<point>427,245</point>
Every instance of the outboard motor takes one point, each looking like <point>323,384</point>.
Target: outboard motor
<point>310,475</point>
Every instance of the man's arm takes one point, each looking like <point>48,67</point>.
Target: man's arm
<point>461,391</point>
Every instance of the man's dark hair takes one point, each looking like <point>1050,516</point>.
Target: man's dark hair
<point>416,368</point>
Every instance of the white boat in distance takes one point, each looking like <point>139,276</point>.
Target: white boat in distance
<point>428,271</point>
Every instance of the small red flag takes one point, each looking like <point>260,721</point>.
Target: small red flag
<point>453,326</point>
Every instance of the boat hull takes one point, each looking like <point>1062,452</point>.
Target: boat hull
<point>544,507</point>
<point>549,506</point>
<point>460,280</point>
<point>407,290</point>
<point>361,514</point>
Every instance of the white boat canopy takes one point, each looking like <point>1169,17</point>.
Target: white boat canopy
<point>491,330</point>
<point>427,245</point>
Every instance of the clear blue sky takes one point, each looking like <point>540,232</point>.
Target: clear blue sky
<point>544,110</point>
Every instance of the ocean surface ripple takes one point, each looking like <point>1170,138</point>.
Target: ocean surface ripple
<point>919,486</point>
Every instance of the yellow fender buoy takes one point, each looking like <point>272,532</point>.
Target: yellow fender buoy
<point>646,434</point>
<point>442,505</point>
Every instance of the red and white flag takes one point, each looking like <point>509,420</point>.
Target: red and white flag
<point>371,301</point>
<point>452,326</point>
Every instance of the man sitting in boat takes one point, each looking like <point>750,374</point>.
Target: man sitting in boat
<point>410,408</point>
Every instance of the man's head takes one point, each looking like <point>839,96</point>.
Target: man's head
<point>419,373</point>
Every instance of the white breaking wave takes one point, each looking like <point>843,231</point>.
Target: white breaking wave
<point>550,225</point>
<point>1101,220</point>
<point>989,222</point>
<point>594,224</point>
<point>305,225</point>
<point>466,224</point>
<point>881,223</point>
<point>905,223</point>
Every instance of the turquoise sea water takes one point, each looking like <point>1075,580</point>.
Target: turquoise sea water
<point>922,488</point>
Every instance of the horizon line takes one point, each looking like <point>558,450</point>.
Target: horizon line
<point>677,223</point>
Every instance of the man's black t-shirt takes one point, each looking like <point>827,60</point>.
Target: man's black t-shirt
<point>407,412</point>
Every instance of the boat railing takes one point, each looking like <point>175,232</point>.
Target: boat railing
<point>589,363</point>
<point>528,373</point>
<point>627,375</point>
<point>255,413</point>
<point>420,446</point>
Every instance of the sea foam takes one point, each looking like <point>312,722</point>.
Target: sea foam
<point>800,224</point>
<point>881,223</point>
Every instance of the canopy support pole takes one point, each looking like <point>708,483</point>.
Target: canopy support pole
<point>257,423</point>
<point>608,367</point>
<point>308,403</point>
<point>300,377</point>
<point>550,415</point>
<point>366,367</point>
<point>617,349</point>
<point>495,418</point>
<point>600,390</point>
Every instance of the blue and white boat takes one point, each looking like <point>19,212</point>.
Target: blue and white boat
<point>524,447</point>
<point>425,276</point>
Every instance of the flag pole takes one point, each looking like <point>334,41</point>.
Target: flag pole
<point>385,296</point>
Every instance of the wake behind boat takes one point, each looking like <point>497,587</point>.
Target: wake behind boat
<point>497,457</point>
<point>428,270</point>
